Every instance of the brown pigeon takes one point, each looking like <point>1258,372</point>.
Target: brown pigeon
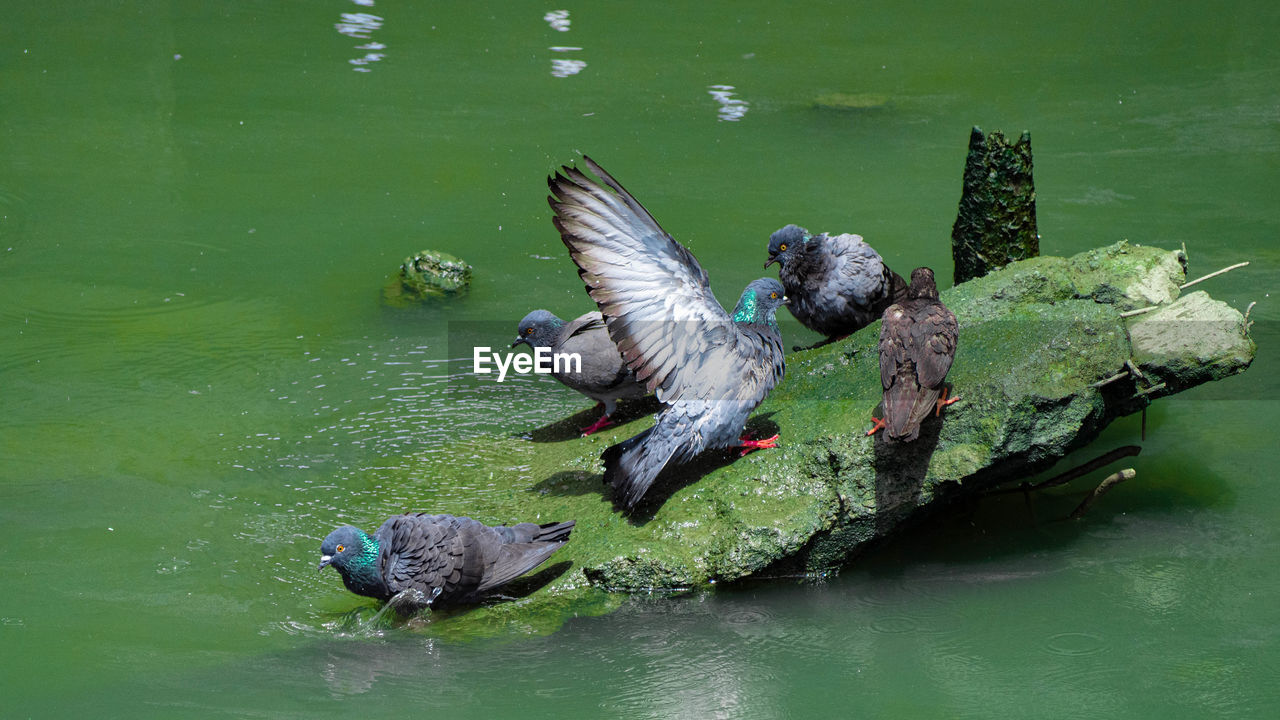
<point>917,345</point>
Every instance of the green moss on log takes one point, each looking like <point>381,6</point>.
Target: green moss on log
<point>1036,339</point>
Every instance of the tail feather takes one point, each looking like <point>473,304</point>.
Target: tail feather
<point>554,532</point>
<point>899,406</point>
<point>523,548</point>
<point>632,465</point>
<point>526,533</point>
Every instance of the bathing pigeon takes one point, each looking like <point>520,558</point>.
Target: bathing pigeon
<point>599,372</point>
<point>917,344</point>
<point>448,559</point>
<point>709,367</point>
<point>837,285</point>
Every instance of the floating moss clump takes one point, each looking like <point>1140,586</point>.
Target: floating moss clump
<point>428,274</point>
<point>851,102</point>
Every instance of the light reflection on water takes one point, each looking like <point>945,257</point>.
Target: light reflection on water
<point>563,67</point>
<point>732,108</point>
<point>361,26</point>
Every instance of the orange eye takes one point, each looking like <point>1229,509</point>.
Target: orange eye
<point>529,331</point>
<point>783,247</point>
<point>773,296</point>
<point>341,548</point>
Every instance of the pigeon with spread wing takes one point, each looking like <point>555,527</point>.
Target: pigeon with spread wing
<point>709,367</point>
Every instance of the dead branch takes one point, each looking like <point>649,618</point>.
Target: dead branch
<point>1110,482</point>
<point>1186,285</point>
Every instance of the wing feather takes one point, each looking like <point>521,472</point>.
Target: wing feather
<point>654,295</point>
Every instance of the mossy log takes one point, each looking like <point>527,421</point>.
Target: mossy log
<point>1037,338</point>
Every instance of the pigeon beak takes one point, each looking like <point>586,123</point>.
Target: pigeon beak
<point>324,561</point>
<point>772,260</point>
<point>786,300</point>
<point>518,341</point>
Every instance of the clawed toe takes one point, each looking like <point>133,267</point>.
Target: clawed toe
<point>879,425</point>
<point>747,444</point>
<point>603,422</point>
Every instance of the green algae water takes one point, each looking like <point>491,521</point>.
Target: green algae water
<point>199,207</point>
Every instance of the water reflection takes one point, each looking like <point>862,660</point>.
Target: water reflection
<point>361,27</point>
<point>731,108</point>
<point>563,67</point>
<point>558,20</point>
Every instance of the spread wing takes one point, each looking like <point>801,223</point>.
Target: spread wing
<point>651,290</point>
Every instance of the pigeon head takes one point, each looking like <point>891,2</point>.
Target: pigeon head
<point>786,244</point>
<point>759,301</point>
<point>538,329</point>
<point>349,550</point>
<point>922,284</point>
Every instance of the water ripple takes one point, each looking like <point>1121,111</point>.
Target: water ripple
<point>1072,644</point>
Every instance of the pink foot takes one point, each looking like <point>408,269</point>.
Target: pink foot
<point>879,425</point>
<point>747,444</point>
<point>603,422</point>
<point>943,401</point>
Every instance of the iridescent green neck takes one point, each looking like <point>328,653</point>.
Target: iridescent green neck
<point>748,311</point>
<point>360,574</point>
<point>369,556</point>
<point>745,312</point>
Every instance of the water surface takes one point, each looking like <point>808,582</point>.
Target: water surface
<point>199,204</point>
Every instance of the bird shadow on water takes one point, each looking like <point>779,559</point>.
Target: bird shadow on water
<point>570,428</point>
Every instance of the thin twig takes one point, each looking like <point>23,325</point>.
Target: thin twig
<point>1247,322</point>
<point>1118,376</point>
<point>1075,472</point>
<point>1133,369</point>
<point>1110,482</point>
<point>1139,311</point>
<point>1146,390</point>
<point>1184,286</point>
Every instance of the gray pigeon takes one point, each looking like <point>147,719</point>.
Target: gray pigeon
<point>601,374</point>
<point>448,559</point>
<point>837,285</point>
<point>709,368</point>
<point>917,345</point>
